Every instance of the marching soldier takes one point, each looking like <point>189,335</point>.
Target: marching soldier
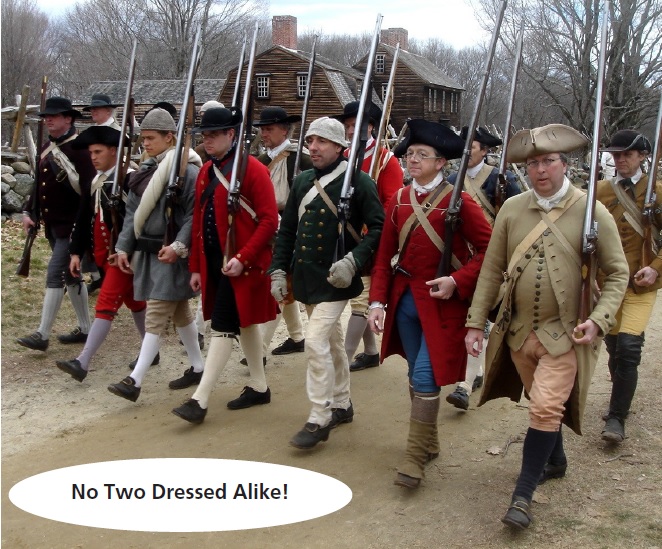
<point>102,110</point>
<point>480,183</point>
<point>66,175</point>
<point>624,197</point>
<point>536,343</point>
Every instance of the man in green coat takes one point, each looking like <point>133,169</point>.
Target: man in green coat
<point>305,248</point>
<point>536,342</point>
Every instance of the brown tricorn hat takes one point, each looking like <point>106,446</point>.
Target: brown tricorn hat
<point>553,138</point>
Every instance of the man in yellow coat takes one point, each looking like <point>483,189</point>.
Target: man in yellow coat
<point>536,342</point>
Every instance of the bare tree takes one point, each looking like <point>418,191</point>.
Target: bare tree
<point>27,39</point>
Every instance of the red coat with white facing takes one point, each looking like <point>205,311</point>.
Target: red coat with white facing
<point>442,320</point>
<point>252,288</point>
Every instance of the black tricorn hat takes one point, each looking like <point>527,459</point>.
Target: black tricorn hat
<point>351,110</point>
<point>482,136</point>
<point>437,136</point>
<point>219,119</point>
<point>99,135</point>
<point>59,105</point>
<point>168,107</point>
<point>628,140</point>
<point>100,100</point>
<point>276,115</point>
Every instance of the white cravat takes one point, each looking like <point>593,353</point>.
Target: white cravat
<point>427,188</point>
<point>548,202</point>
<point>473,172</point>
<point>273,153</point>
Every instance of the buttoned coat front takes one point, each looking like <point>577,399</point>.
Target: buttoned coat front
<point>442,320</point>
<point>253,237</point>
<point>516,219</point>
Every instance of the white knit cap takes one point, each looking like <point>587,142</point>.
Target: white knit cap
<point>211,105</point>
<point>328,128</point>
<point>159,120</point>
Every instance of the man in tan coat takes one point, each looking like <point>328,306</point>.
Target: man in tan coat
<point>624,197</point>
<point>536,342</point>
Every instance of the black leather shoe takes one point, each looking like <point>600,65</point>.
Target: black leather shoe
<point>406,481</point>
<point>310,435</point>
<point>459,398</point>
<point>126,389</point>
<point>191,411</point>
<point>190,378</point>
<point>156,360</point>
<point>34,342</point>
<point>518,515</point>
<point>290,346</point>
<point>245,362</point>
<point>552,471</point>
<point>94,286</point>
<point>75,336</point>
<point>478,383</point>
<point>339,415</point>
<point>614,430</point>
<point>73,368</point>
<point>250,397</point>
<point>363,361</point>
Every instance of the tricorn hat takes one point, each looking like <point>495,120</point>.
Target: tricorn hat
<point>482,135</point>
<point>219,119</point>
<point>59,105</point>
<point>100,100</point>
<point>99,135</point>
<point>437,136</point>
<point>553,138</point>
<point>628,140</point>
<point>276,115</point>
<point>351,110</point>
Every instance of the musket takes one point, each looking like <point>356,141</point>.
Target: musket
<point>123,154</point>
<point>590,227</point>
<point>375,165</point>
<point>242,153</point>
<point>304,112</point>
<point>648,253</point>
<point>452,221</point>
<point>357,148</point>
<point>23,268</point>
<point>237,84</point>
<point>177,177</point>
<point>500,195</point>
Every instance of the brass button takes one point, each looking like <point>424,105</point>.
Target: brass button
<point>322,211</point>
<point>320,224</point>
<point>303,248</point>
<point>43,197</point>
<point>528,256</point>
<point>319,236</point>
<point>45,210</point>
<point>300,261</point>
<point>43,184</point>
<point>319,248</point>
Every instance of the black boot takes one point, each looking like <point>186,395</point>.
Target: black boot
<point>610,344</point>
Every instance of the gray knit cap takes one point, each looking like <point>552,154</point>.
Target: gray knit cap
<point>211,105</point>
<point>159,120</point>
<point>328,128</point>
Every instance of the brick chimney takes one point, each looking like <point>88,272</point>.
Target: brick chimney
<point>284,31</point>
<point>391,37</point>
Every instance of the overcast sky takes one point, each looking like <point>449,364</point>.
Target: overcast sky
<point>453,22</point>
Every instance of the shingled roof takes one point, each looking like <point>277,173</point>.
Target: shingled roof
<point>148,92</point>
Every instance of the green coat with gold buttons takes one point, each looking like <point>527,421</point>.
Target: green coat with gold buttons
<point>307,237</point>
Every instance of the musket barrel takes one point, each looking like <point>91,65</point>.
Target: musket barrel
<point>119,161</point>
<point>304,112</point>
<point>237,84</point>
<point>656,152</point>
<point>511,99</point>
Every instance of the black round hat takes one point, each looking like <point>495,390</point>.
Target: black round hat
<point>100,100</point>
<point>437,136</point>
<point>275,115</point>
<point>168,107</point>
<point>351,110</point>
<point>482,135</point>
<point>99,135</point>
<point>59,105</point>
<point>219,119</point>
<point>628,140</point>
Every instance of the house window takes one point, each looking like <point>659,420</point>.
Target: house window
<point>429,99</point>
<point>302,84</point>
<point>380,63</point>
<point>443,101</point>
<point>434,100</point>
<point>454,97</point>
<point>384,88</point>
<point>262,87</point>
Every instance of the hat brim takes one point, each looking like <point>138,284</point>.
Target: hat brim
<point>68,112</point>
<point>87,108</point>
<point>234,122</point>
<point>292,119</point>
<point>553,138</point>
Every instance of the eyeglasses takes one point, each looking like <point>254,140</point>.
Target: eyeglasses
<point>547,162</point>
<point>419,156</point>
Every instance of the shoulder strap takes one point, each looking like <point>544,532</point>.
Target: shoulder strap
<point>476,192</point>
<point>242,202</point>
<point>333,208</point>
<point>632,213</point>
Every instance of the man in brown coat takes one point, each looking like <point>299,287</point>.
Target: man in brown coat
<point>624,197</point>
<point>536,342</point>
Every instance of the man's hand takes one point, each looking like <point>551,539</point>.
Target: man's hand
<point>74,266</point>
<point>112,260</point>
<point>342,272</point>
<point>474,341</point>
<point>27,223</point>
<point>646,277</point>
<point>585,333</point>
<point>123,263</point>
<point>376,320</point>
<point>196,282</point>
<point>233,268</point>
<point>167,255</point>
<point>445,287</point>
<point>279,285</point>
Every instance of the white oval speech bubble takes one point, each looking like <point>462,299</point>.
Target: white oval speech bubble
<point>180,495</point>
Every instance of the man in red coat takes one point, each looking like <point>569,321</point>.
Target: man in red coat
<point>388,176</point>
<point>426,316</point>
<point>236,294</point>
